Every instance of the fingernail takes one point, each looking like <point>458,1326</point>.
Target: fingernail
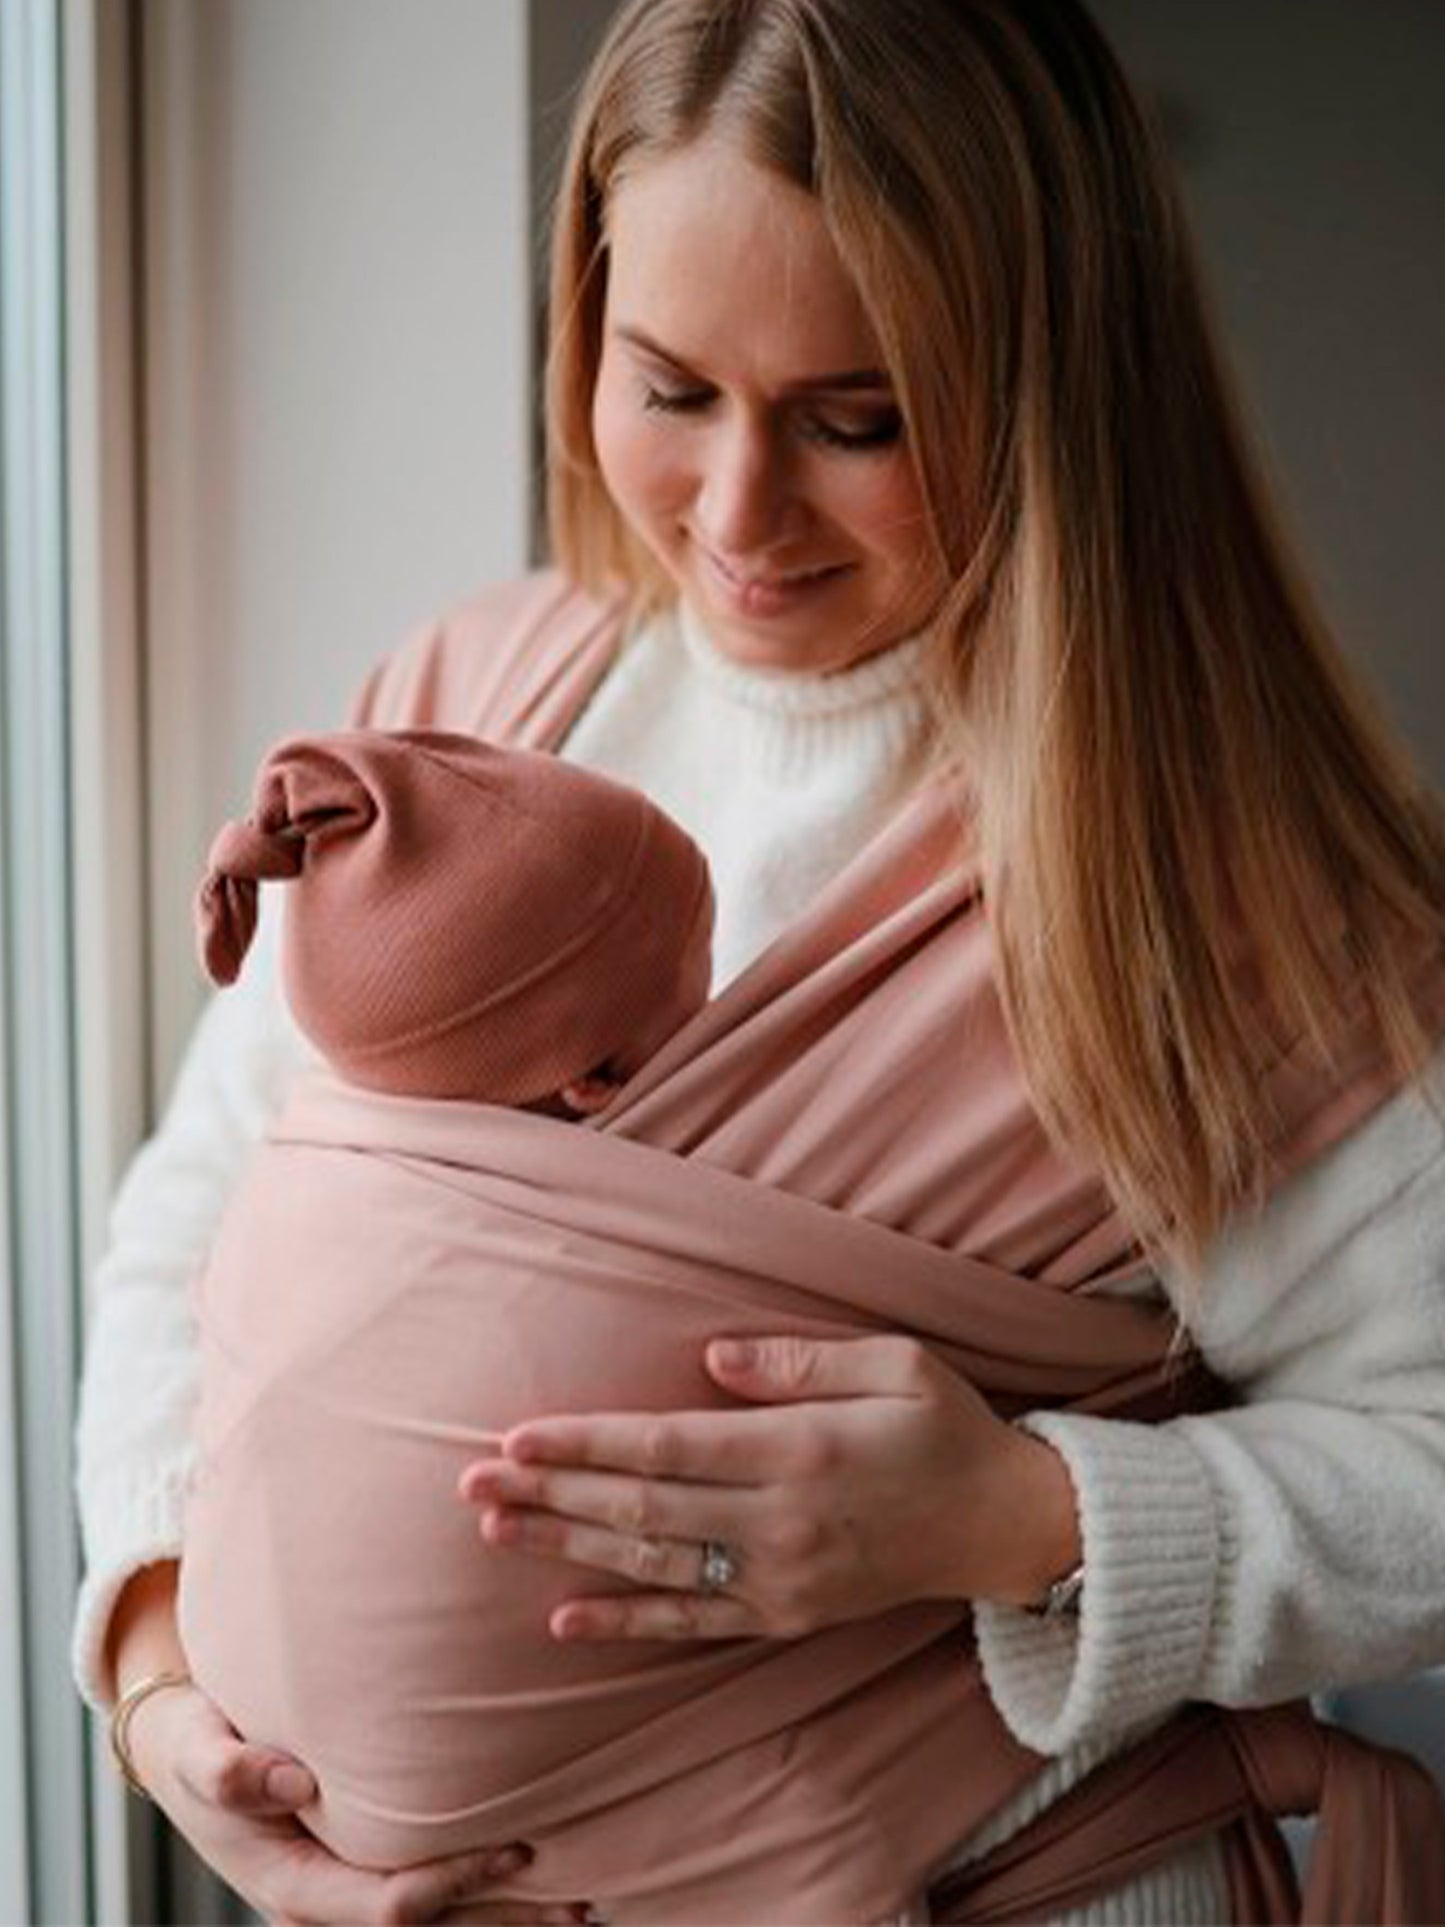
<point>734,1354</point>
<point>290,1785</point>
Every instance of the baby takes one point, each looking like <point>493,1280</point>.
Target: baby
<point>466,921</point>
<point>472,932</point>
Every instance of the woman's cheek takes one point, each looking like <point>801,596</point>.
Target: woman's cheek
<point>642,482</point>
<point>890,515</point>
<point>640,465</point>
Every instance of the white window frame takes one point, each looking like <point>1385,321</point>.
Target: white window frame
<point>109,906</point>
<point>45,1833</point>
<point>74,1073</point>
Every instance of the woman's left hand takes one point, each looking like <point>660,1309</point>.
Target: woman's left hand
<point>870,1476</point>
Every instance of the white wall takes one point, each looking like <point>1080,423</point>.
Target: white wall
<point>336,371</point>
<point>338,375</point>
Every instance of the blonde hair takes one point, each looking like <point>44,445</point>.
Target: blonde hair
<point>1199,842</point>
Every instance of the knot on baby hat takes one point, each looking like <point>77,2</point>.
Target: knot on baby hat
<point>464,920</point>
<point>297,795</point>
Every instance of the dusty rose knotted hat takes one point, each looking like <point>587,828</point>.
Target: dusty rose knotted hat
<point>464,921</point>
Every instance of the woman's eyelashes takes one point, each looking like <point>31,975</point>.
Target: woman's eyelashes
<point>881,432</point>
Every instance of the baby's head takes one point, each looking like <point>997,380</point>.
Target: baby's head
<point>465,921</point>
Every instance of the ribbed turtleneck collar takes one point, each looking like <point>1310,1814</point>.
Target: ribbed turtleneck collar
<point>892,675</point>
<point>781,776</point>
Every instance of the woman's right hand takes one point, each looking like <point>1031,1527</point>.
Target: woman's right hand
<point>236,1805</point>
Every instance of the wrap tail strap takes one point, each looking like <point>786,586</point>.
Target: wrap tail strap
<point>1378,1854</point>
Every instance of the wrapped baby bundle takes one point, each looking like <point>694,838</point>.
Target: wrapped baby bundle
<point>405,1271</point>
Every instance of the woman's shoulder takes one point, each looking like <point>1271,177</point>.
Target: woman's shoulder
<point>1361,1223</point>
<point>499,663</point>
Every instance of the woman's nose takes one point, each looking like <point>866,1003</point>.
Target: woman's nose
<point>744,501</point>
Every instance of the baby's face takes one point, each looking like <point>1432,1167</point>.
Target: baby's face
<point>582,1098</point>
<point>592,1093</point>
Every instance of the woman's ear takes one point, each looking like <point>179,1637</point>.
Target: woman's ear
<point>591,1093</point>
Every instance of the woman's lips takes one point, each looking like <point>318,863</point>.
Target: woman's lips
<point>770,595</point>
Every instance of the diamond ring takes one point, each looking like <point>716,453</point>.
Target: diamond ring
<point>719,1566</point>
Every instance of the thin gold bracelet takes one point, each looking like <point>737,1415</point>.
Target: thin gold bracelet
<point>123,1713</point>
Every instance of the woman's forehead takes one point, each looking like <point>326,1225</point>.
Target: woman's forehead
<point>726,265</point>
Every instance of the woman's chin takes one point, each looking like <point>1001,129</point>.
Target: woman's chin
<point>811,636</point>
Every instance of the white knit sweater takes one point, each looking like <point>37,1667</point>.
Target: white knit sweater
<point>1295,1541</point>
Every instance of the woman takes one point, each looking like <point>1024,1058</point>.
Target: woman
<point>885,422</point>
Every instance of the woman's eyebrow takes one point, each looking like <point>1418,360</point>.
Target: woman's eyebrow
<point>845,379</point>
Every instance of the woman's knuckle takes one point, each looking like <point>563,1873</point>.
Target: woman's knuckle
<point>687,1616</point>
<point>647,1559</point>
<point>637,1511</point>
<point>657,1443</point>
<point>812,1454</point>
<point>792,1537</point>
<point>916,1364</point>
<point>796,1363</point>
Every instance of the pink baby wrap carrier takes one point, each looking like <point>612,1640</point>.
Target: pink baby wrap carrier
<point>839,1143</point>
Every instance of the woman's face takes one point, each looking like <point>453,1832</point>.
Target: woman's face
<point>744,424</point>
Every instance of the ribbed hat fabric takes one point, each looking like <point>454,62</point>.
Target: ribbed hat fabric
<point>464,921</point>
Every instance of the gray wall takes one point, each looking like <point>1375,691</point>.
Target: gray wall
<point>563,35</point>
<point>1312,151</point>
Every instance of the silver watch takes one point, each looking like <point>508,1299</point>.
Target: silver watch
<point>1063,1598</point>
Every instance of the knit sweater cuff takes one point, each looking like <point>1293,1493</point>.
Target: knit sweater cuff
<point>1150,1536</point>
<point>132,1527</point>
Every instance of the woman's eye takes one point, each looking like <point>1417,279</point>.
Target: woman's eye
<point>881,433</point>
<point>675,401</point>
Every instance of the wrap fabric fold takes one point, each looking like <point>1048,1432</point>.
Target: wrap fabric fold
<point>841,1141</point>
<point>469,1266</point>
<point>1209,1770</point>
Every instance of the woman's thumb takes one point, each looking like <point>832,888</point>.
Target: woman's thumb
<point>289,1785</point>
<point>252,1779</point>
<point>792,1367</point>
